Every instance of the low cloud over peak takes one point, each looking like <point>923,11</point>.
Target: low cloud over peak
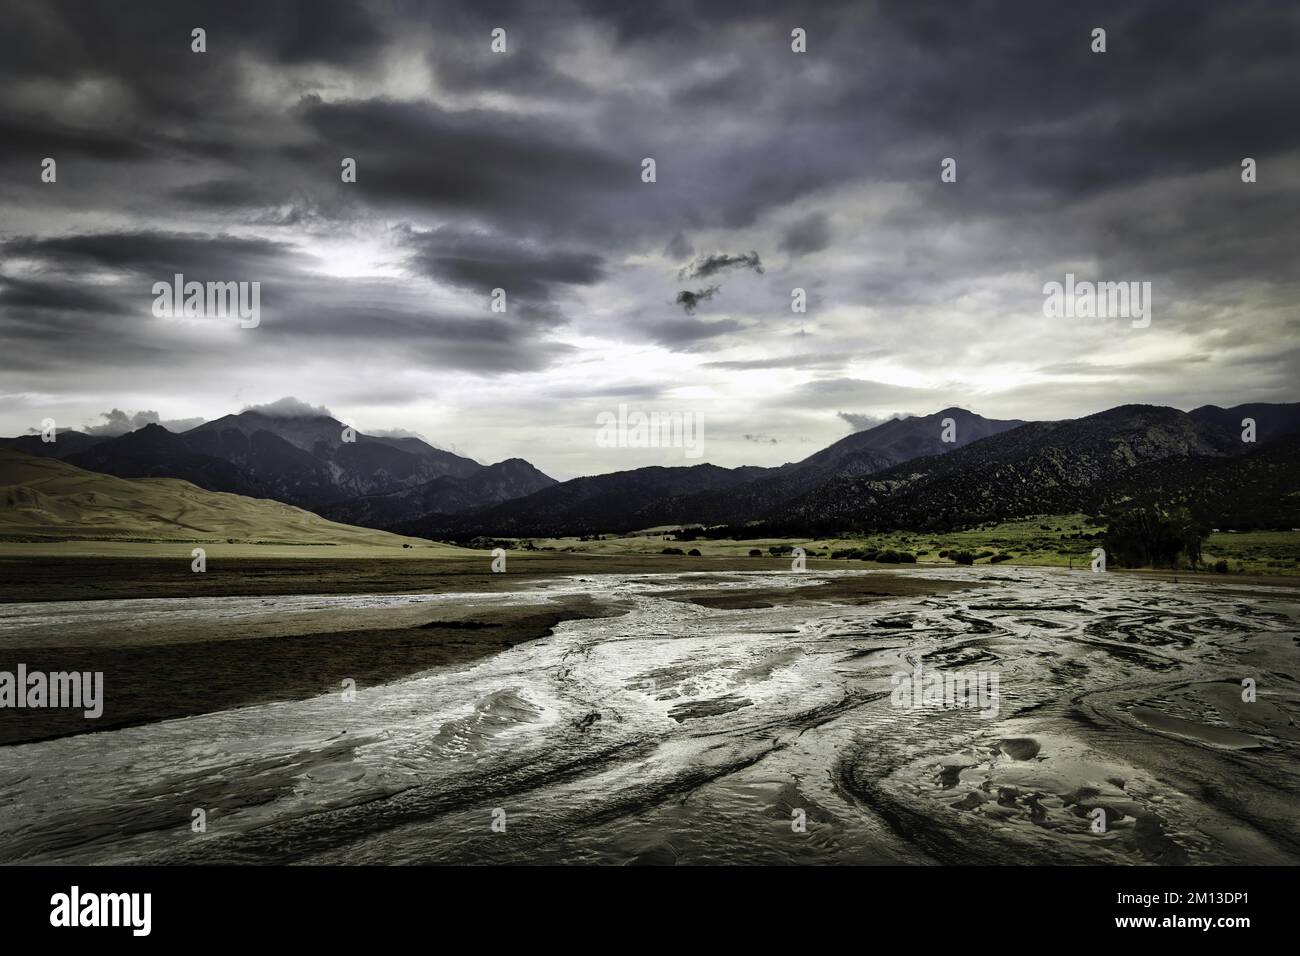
<point>118,422</point>
<point>861,423</point>
<point>289,407</point>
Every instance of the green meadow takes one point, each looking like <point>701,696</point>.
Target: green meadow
<point>1064,541</point>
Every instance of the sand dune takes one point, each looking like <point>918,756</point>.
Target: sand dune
<point>43,499</point>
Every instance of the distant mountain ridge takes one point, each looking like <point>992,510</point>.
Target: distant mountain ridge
<point>1041,467</point>
<point>706,494</point>
<point>66,442</point>
<point>1271,420</point>
<point>902,474</point>
<point>862,453</point>
<point>902,439</point>
<point>618,501</point>
<point>947,469</point>
<point>512,478</point>
<point>309,461</point>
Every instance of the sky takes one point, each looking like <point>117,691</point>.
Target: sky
<point>522,170</point>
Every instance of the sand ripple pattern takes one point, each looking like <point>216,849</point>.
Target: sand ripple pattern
<point>675,733</point>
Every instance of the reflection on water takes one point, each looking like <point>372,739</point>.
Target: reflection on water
<point>676,733</point>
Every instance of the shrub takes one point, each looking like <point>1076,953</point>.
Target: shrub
<point>906,557</point>
<point>755,553</point>
<point>962,557</point>
<point>999,558</point>
<point>888,557</point>
<point>1221,566</point>
<point>694,552</point>
<point>1154,536</point>
<point>672,551</point>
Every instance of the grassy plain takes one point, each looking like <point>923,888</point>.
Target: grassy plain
<point>1063,541</point>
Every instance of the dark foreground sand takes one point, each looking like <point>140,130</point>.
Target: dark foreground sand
<point>163,670</point>
<point>25,579</point>
<point>92,578</point>
<point>196,674</point>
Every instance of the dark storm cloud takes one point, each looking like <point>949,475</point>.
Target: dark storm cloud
<point>81,149</point>
<point>688,300</point>
<point>68,37</point>
<point>1171,95</point>
<point>33,295</point>
<point>222,193</point>
<point>342,320</point>
<point>482,163</point>
<point>30,140</point>
<point>483,262</point>
<point>528,68</point>
<point>88,298</point>
<point>156,254</point>
<point>705,266</point>
<point>521,171</point>
<point>60,317</point>
<point>810,234</point>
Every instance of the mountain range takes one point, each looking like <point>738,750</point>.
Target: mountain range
<point>902,474</point>
<point>1089,465</point>
<point>949,469</point>
<point>309,461</point>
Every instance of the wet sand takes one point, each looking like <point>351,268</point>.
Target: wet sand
<point>182,670</point>
<point>199,653</point>
<point>674,731</point>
